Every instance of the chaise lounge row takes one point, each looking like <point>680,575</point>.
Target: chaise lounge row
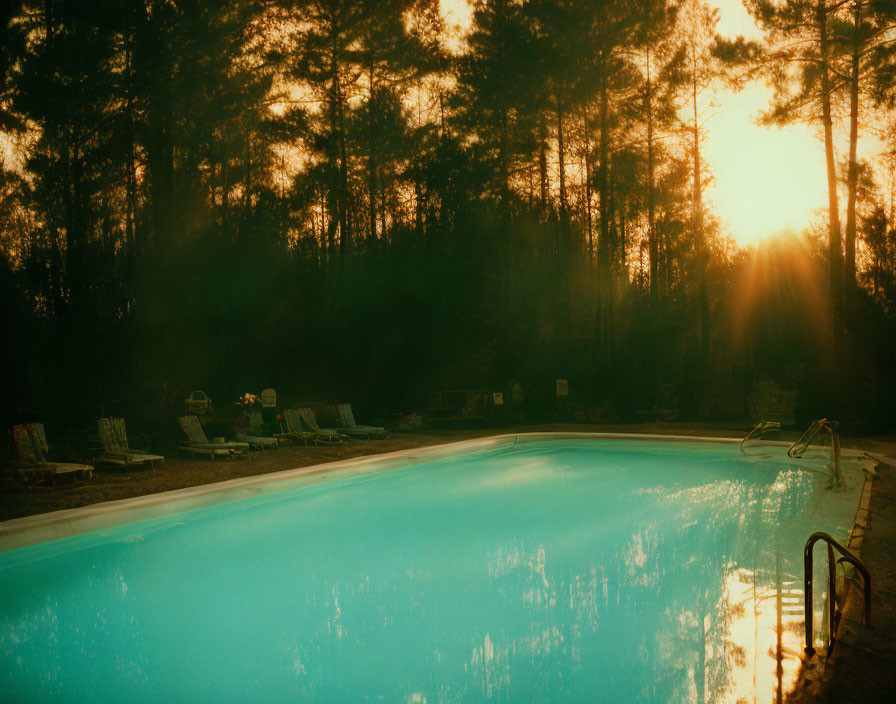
<point>298,424</point>
<point>301,424</point>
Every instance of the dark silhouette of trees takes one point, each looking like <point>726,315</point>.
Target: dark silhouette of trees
<point>324,196</point>
<point>662,76</point>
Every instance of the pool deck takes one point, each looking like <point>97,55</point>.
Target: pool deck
<point>862,667</point>
<point>114,483</point>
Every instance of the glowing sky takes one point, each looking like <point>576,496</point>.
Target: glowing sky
<point>766,179</point>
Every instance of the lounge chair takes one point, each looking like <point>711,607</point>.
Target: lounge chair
<point>198,443</point>
<point>32,449</point>
<point>349,427</point>
<point>292,428</point>
<point>255,435</point>
<point>309,420</point>
<point>116,448</point>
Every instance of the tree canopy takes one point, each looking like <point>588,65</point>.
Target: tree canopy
<point>329,197</point>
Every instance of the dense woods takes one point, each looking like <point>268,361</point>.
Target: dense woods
<point>347,200</point>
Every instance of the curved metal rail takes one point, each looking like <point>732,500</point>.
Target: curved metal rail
<point>800,446</point>
<point>831,427</point>
<point>765,426</point>
<point>833,611</point>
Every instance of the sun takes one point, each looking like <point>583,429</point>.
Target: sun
<point>766,180</point>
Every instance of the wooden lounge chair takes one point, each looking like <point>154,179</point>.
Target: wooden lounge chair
<point>292,428</point>
<point>198,443</point>
<point>32,449</point>
<point>116,448</point>
<point>349,427</point>
<point>255,435</point>
<point>309,421</point>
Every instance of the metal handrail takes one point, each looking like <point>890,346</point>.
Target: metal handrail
<point>831,427</point>
<point>759,431</point>
<point>833,612</point>
<point>800,446</point>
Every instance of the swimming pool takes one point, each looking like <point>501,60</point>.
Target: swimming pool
<point>544,569</point>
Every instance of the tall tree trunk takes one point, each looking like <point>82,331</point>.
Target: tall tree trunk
<point>503,163</point>
<point>561,154</point>
<point>504,167</point>
<point>131,162</point>
<point>75,205</point>
<point>150,33</point>
<point>332,220</point>
<point>334,215</point>
<point>588,218</point>
<point>697,222</point>
<point>853,176</point>
<point>160,158</point>
<point>614,232</point>
<point>371,159</point>
<point>603,185</point>
<point>620,209</point>
<point>418,173</point>
<point>56,282</point>
<point>247,188</point>
<point>530,183</point>
<point>372,194</point>
<point>418,198</point>
<point>226,187</point>
<point>834,253</point>
<point>56,294</point>
<point>603,244</point>
<point>337,130</point>
<point>345,228</point>
<point>651,193</point>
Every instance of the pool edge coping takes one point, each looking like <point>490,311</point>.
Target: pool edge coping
<point>44,527</point>
<point>812,670</point>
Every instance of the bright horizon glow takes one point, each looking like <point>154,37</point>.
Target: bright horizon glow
<point>768,180</point>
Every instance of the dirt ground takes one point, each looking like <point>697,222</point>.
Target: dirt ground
<point>110,483</point>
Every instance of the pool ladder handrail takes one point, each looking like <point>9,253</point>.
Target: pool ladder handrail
<point>834,613</point>
<point>832,428</point>
<point>757,433</point>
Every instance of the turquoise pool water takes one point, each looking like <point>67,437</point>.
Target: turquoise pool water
<point>548,571</point>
